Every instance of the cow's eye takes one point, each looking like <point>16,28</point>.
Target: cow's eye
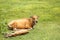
<point>36,21</point>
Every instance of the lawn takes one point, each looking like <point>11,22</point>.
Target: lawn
<point>48,26</point>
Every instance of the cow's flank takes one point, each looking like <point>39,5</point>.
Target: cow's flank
<point>25,23</point>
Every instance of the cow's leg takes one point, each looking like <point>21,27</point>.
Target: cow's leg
<point>30,28</point>
<point>15,29</point>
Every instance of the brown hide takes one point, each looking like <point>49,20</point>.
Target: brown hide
<point>25,23</point>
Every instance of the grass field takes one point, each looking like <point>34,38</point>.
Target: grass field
<point>48,26</point>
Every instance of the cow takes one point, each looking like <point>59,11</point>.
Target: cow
<point>24,23</point>
<point>21,26</point>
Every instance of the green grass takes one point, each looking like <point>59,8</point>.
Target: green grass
<point>48,26</point>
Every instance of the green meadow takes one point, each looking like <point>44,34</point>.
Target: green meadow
<point>48,26</point>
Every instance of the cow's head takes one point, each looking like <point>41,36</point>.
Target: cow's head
<point>35,18</point>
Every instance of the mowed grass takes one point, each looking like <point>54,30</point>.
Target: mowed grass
<point>48,26</point>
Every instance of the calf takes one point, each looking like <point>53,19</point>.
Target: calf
<point>25,23</point>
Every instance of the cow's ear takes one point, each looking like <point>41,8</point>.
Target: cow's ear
<point>32,17</point>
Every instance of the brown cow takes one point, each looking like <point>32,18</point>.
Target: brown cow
<point>25,23</point>
<point>21,26</point>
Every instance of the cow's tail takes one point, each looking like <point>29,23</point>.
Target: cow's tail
<point>10,25</point>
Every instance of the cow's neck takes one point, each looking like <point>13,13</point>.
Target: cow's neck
<point>32,21</point>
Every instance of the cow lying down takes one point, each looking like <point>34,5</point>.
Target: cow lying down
<point>22,26</point>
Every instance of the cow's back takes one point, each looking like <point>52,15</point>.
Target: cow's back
<point>20,23</point>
